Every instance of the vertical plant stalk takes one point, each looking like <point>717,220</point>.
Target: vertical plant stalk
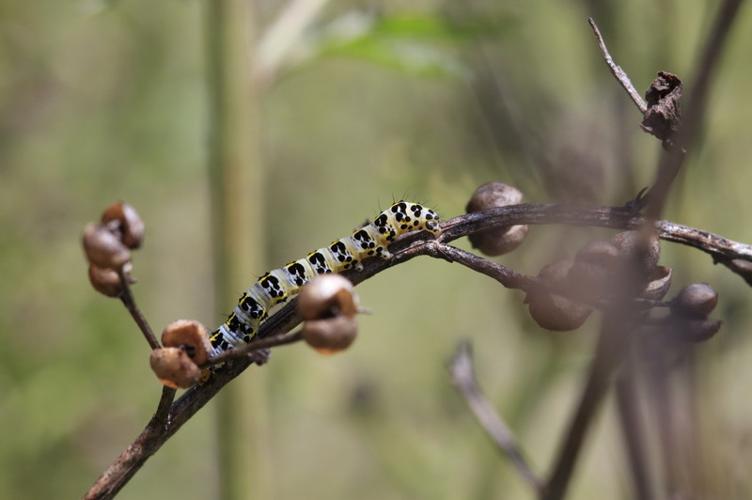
<point>608,352</point>
<point>237,233</point>
<point>632,428</point>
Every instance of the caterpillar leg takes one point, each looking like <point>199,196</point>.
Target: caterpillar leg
<point>383,253</point>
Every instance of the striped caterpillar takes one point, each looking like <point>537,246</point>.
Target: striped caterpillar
<point>278,285</point>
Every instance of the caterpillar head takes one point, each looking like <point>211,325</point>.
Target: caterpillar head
<point>429,218</point>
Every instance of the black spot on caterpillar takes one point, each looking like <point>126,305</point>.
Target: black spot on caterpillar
<point>278,285</point>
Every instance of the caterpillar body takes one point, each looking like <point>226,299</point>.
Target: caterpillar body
<point>279,285</point>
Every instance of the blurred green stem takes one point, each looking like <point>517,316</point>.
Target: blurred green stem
<point>237,228</point>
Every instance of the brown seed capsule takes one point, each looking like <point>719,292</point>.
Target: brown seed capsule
<point>600,252</point>
<point>103,248</point>
<point>127,221</point>
<point>329,336</point>
<point>659,285</point>
<point>190,336</point>
<point>328,306</point>
<point>556,313</point>
<point>327,296</point>
<point>107,281</point>
<point>695,330</point>
<point>174,368</point>
<point>594,268</point>
<point>552,311</point>
<point>556,272</point>
<point>499,240</point>
<point>644,248</point>
<point>696,300</point>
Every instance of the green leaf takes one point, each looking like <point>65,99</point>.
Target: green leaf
<point>439,27</point>
<point>414,43</point>
<point>410,57</point>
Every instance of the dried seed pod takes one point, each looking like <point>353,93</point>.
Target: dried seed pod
<point>174,368</point>
<point>556,272</point>
<point>696,300</point>
<point>555,312</point>
<point>659,285</point>
<point>498,240</point>
<point>327,296</point>
<point>328,305</point>
<point>103,248</point>
<point>695,330</point>
<point>127,221</point>
<point>599,252</point>
<point>663,115</point>
<point>107,281</point>
<point>644,248</point>
<point>594,267</point>
<point>190,336</point>
<point>329,336</point>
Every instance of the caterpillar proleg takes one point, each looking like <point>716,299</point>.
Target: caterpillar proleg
<point>279,285</point>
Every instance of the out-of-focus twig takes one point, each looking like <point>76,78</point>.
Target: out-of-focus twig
<point>613,337</point>
<point>673,159</point>
<point>126,296</point>
<point>620,75</point>
<point>633,430</point>
<point>463,376</point>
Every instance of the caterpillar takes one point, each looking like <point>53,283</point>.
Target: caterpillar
<point>279,285</point>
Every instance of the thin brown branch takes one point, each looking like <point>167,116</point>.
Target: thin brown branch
<point>619,74</point>
<point>517,281</point>
<point>463,376</point>
<point>256,345</point>
<point>153,437</point>
<point>163,408</point>
<point>718,247</point>
<point>126,296</point>
<point>507,277</point>
<point>673,159</point>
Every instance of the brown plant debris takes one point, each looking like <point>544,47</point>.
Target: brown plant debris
<point>663,116</point>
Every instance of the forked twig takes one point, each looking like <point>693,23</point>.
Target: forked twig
<point>156,434</point>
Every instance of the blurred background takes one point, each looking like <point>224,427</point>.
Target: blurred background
<point>358,104</point>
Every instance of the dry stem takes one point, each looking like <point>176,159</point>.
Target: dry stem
<point>616,70</point>
<point>463,376</point>
<point>126,296</point>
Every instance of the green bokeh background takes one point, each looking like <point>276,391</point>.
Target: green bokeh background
<point>101,101</point>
